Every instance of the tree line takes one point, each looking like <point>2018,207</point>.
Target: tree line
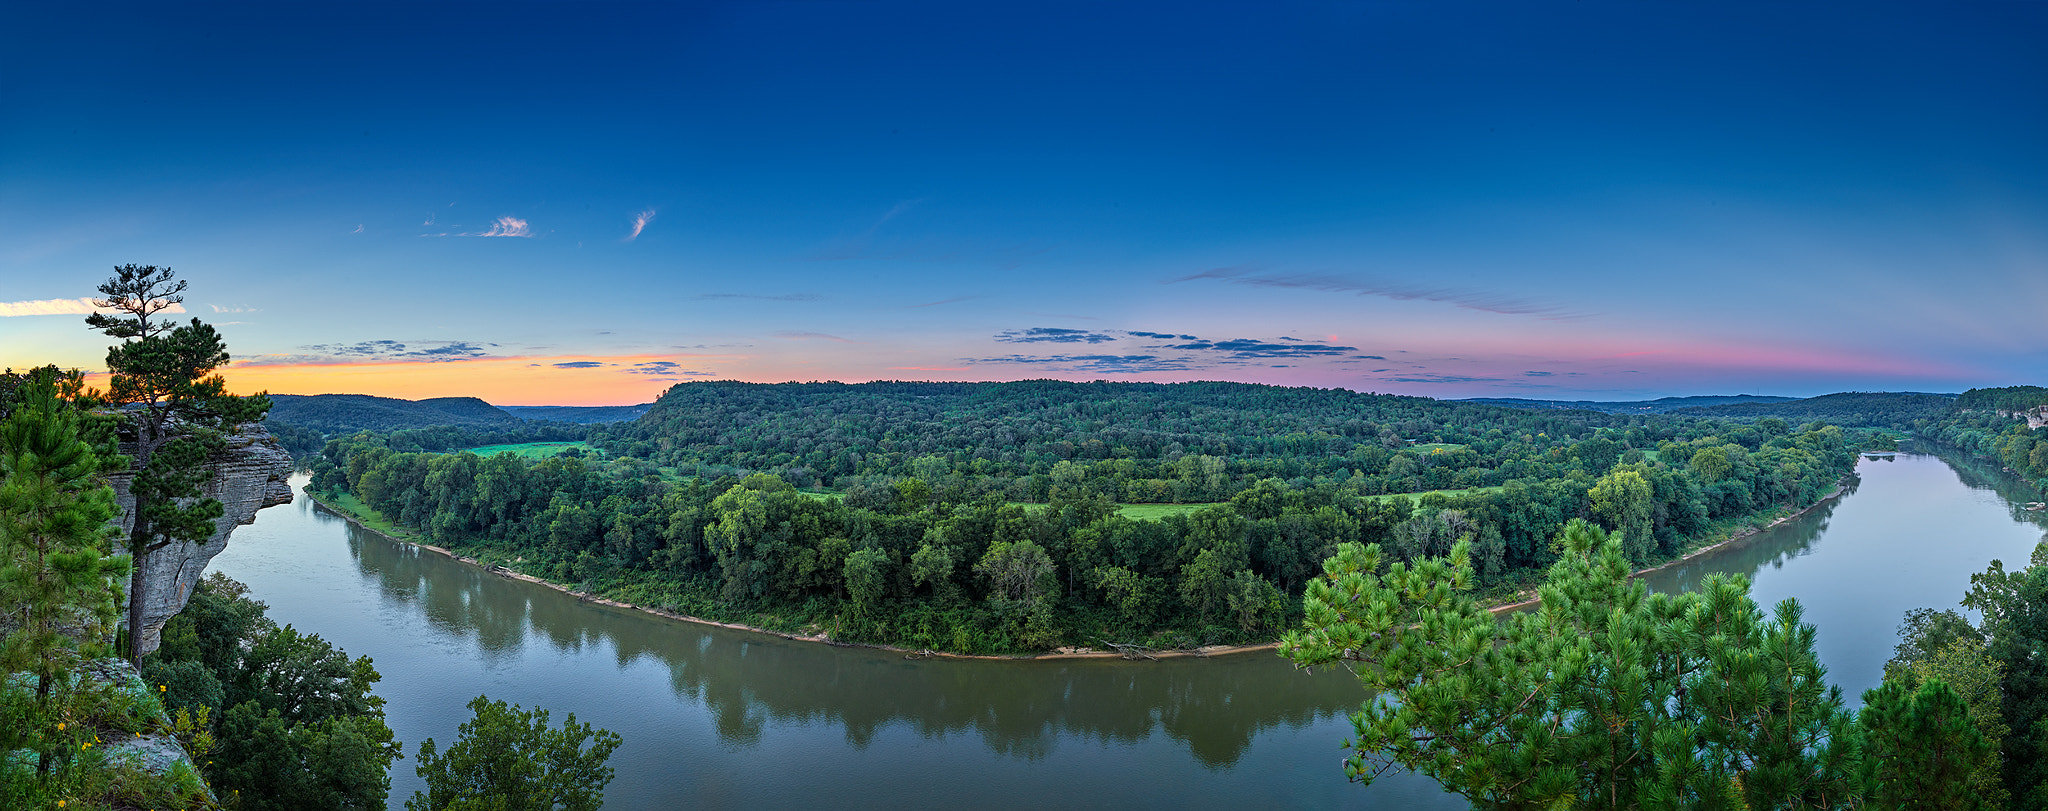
<point>948,564</point>
<point>1992,423</point>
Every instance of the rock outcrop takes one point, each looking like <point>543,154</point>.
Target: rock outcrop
<point>253,473</point>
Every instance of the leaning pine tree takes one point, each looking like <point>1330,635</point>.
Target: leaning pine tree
<point>173,408</point>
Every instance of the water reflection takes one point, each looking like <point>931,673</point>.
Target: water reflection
<point>2012,491</point>
<point>718,718</point>
<point>1772,548</point>
<point>1214,708</point>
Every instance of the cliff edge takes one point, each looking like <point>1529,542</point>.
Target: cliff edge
<point>252,473</point>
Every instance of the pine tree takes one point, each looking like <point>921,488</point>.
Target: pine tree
<point>173,407</point>
<point>1921,749</point>
<point>55,575</point>
<point>1606,696</point>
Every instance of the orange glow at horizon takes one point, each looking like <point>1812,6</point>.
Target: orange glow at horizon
<point>499,381</point>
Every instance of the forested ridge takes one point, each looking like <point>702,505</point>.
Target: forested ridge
<point>928,546</point>
<point>1158,442</point>
<point>1874,409</point>
<point>1993,423</point>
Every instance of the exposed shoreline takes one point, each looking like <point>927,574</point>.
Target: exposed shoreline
<point>1840,488</point>
<point>1060,653</point>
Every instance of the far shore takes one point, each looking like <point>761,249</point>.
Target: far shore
<point>1060,653</point>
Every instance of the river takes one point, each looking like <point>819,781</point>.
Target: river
<point>720,718</point>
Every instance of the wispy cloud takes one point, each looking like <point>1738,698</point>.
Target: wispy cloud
<point>506,226</point>
<point>812,336</point>
<point>856,246</point>
<point>1246,348</point>
<point>61,306</point>
<point>219,309</point>
<point>782,297</point>
<point>1106,364</point>
<point>1327,283</point>
<point>1436,378</point>
<point>580,364</point>
<point>665,368</point>
<point>640,222</point>
<point>1186,352</point>
<point>359,229</point>
<point>377,351</point>
<point>1054,335</point>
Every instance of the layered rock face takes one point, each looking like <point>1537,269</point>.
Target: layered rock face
<point>253,473</point>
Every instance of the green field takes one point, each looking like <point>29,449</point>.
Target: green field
<point>1154,512</point>
<point>532,450</point>
<point>1463,491</point>
<point>347,503</point>
<point>1138,512</point>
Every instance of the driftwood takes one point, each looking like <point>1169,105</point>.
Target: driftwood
<point>1131,650</point>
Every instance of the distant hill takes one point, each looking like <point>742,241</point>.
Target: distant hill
<point>586,415</point>
<point>342,413</point>
<point>2008,398</point>
<point>1853,409</point>
<point>1657,406</point>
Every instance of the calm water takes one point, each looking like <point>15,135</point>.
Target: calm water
<point>722,718</point>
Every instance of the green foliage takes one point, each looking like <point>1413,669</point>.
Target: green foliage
<point>349,413</point>
<point>2015,627</point>
<point>508,759</point>
<point>1605,696</point>
<point>296,724</point>
<point>54,507</point>
<point>2007,398</point>
<point>55,577</point>
<point>1921,751</point>
<point>942,552</point>
<point>1854,409</point>
<point>1623,497</point>
<point>266,762</point>
<point>303,678</point>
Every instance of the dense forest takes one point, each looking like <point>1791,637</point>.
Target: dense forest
<point>1853,409</point>
<point>987,517</point>
<point>353,412</point>
<point>1132,442</point>
<point>1994,423</point>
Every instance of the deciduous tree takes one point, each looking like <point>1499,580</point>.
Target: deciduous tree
<point>508,759</point>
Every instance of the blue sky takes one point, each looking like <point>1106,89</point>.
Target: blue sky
<point>586,202</point>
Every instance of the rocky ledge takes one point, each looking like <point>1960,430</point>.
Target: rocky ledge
<point>252,473</point>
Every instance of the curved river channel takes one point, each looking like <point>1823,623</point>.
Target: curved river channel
<point>719,718</point>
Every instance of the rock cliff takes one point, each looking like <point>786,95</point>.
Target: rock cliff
<point>253,473</point>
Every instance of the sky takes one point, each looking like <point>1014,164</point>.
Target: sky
<point>583,203</point>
